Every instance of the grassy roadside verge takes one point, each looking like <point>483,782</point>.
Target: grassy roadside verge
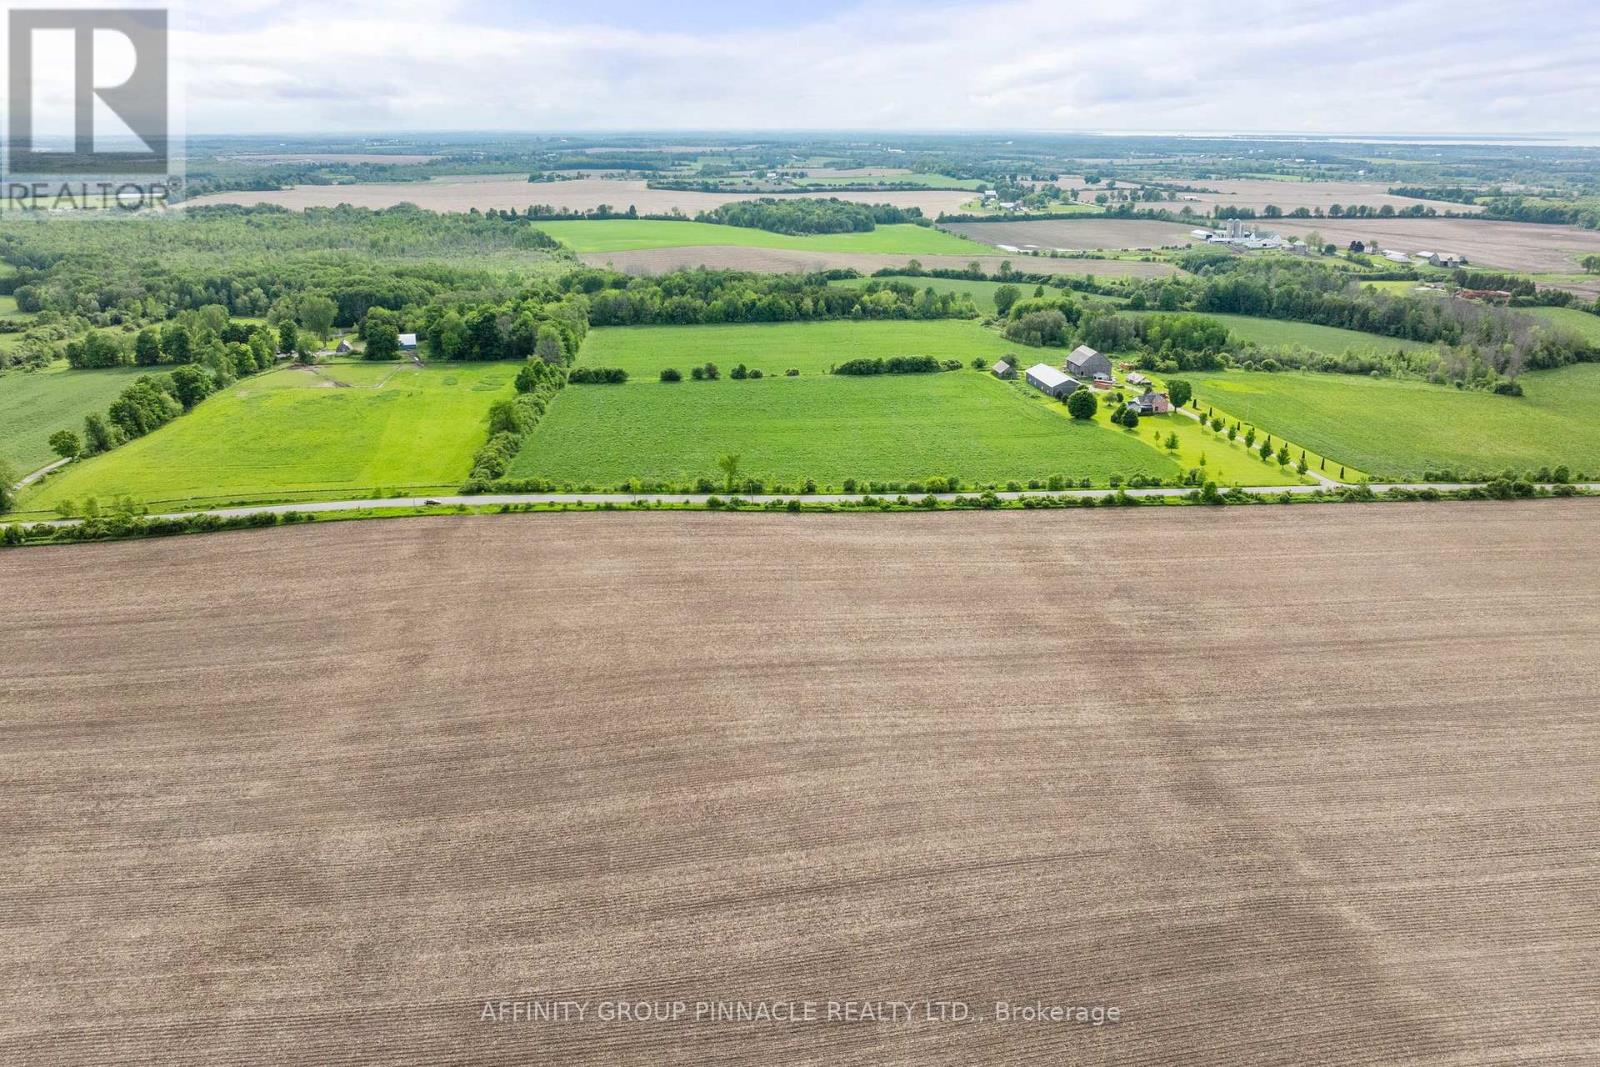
<point>133,527</point>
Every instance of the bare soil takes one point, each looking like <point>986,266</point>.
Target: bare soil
<point>1258,193</point>
<point>786,261</point>
<point>1309,785</point>
<point>457,194</point>
<point>1514,246</point>
<point>1084,234</point>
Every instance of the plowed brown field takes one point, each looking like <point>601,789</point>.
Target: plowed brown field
<point>1310,785</point>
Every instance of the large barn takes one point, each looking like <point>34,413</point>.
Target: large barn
<point>1084,363</point>
<point>1051,382</point>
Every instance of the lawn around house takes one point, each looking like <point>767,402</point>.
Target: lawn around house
<point>626,235</point>
<point>809,347</point>
<point>346,430</point>
<point>1402,429</point>
<point>891,428</point>
<point>1228,463</point>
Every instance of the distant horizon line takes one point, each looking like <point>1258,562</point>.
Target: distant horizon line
<point>1567,137</point>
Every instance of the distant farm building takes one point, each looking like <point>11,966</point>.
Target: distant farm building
<point>1138,379</point>
<point>1052,382</point>
<point>344,349</point>
<point>1237,236</point>
<point>1005,370</point>
<point>1397,257</point>
<point>1085,363</point>
<point>1439,259</point>
<point>1152,404</point>
<point>408,342</point>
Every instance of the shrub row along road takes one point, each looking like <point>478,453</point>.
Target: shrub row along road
<point>1282,785</point>
<point>405,503</point>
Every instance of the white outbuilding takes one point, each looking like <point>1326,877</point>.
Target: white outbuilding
<point>1051,382</point>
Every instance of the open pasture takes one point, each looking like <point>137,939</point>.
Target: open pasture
<point>1581,323</point>
<point>887,428</point>
<point>809,347</point>
<point>1272,333</point>
<point>344,430</point>
<point>982,293</point>
<point>1400,429</point>
<point>35,404</point>
<point>1333,801</point>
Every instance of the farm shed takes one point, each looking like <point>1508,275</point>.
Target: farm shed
<point>408,342</point>
<point>344,349</point>
<point>1086,363</point>
<point>1052,382</point>
<point>1006,370</point>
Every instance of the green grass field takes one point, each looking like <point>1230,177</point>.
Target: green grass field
<point>626,235</point>
<point>890,428</point>
<point>1399,429</point>
<point>982,293</point>
<point>34,405</point>
<point>1581,323</point>
<point>1225,462</point>
<point>1275,332</point>
<point>809,347</point>
<point>345,431</point>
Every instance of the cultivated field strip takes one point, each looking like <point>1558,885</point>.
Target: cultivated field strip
<point>789,260</point>
<point>1286,785</point>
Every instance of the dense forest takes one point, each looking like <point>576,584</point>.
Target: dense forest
<point>247,259</point>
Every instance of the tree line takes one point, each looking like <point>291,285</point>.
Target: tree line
<point>810,215</point>
<point>698,297</point>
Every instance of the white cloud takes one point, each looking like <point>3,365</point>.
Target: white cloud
<point>1357,65</point>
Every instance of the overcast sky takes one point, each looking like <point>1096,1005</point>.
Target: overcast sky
<point>1401,66</point>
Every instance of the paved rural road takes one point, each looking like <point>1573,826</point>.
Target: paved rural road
<point>490,499</point>
<point>42,471</point>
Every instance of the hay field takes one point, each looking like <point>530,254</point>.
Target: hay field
<point>887,428</point>
<point>790,261</point>
<point>35,404</point>
<point>344,431</point>
<point>1402,429</point>
<point>1292,786</point>
<point>462,193</point>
